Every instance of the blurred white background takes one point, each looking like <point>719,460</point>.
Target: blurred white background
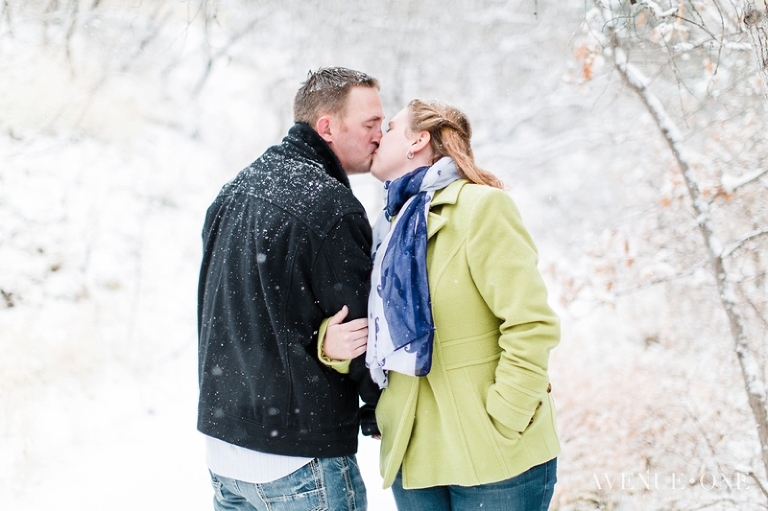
<point>120,121</point>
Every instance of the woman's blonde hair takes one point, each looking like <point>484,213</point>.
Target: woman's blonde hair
<point>450,134</point>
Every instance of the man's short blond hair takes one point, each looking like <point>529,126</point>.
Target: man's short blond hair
<point>325,92</point>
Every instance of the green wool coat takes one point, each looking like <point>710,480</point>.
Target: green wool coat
<point>484,412</point>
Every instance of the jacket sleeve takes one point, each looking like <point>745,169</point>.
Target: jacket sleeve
<point>502,260</point>
<point>341,276</point>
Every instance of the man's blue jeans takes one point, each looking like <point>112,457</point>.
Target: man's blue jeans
<point>530,491</point>
<point>323,483</point>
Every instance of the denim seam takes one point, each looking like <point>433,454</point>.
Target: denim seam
<point>544,502</point>
<point>263,496</point>
<point>236,486</point>
<point>317,474</point>
<point>216,483</point>
<point>348,483</point>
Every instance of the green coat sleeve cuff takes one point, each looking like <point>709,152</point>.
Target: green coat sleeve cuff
<point>340,366</point>
<point>503,412</point>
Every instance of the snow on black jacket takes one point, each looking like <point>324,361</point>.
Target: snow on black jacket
<point>286,244</point>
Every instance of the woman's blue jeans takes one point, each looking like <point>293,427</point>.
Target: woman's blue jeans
<point>322,484</point>
<point>530,491</point>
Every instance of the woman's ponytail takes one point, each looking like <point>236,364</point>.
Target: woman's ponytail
<point>450,134</point>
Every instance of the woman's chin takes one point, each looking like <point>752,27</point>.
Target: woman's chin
<point>376,171</point>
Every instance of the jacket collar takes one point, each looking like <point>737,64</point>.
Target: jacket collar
<point>310,144</point>
<point>448,195</point>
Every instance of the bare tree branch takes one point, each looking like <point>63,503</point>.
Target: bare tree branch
<point>657,281</point>
<point>71,31</point>
<point>151,34</point>
<point>738,243</point>
<point>222,51</point>
<point>758,482</point>
<point>756,309</point>
<point>728,45</point>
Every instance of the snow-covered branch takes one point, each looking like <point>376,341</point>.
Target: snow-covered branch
<point>657,10</point>
<point>732,247</point>
<point>731,184</point>
<point>728,45</point>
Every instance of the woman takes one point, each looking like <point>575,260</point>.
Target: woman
<point>459,328</point>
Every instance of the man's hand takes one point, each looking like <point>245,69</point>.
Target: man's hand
<point>345,341</point>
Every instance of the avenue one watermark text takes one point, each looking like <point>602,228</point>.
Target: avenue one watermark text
<point>651,481</point>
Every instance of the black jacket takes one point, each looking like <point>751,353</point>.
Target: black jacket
<point>286,244</point>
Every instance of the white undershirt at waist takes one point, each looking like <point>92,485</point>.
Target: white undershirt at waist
<point>235,462</point>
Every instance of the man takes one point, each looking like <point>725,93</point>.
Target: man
<point>286,245</point>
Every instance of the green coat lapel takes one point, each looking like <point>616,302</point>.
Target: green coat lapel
<point>448,195</point>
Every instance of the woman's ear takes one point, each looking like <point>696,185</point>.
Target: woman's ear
<point>421,141</point>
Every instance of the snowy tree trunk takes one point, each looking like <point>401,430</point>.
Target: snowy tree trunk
<point>756,21</point>
<point>748,363</point>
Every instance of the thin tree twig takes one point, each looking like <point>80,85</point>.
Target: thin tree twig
<point>735,245</point>
<point>222,51</point>
<point>655,282</point>
<point>148,38</point>
<point>758,482</point>
<point>70,32</point>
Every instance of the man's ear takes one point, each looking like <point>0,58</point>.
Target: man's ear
<point>324,129</point>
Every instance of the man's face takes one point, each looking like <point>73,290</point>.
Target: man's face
<point>356,135</point>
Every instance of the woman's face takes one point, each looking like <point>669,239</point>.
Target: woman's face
<point>390,160</point>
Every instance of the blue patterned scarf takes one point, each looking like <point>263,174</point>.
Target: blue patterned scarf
<point>400,325</point>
